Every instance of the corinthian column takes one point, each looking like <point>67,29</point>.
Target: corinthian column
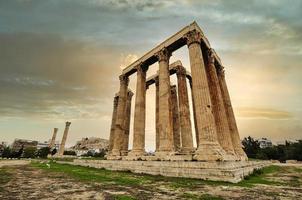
<point>53,139</point>
<point>156,114</point>
<point>222,126</point>
<point>165,116</point>
<point>120,117</point>
<point>175,114</point>
<point>230,116</point>
<point>62,145</point>
<point>111,137</point>
<point>127,123</point>
<point>139,114</point>
<point>209,148</point>
<point>184,111</point>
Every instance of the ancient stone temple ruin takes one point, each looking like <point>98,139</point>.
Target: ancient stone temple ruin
<point>218,156</point>
<point>216,131</point>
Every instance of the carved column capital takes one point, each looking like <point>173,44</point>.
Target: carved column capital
<point>163,54</point>
<point>220,71</point>
<point>55,129</point>
<point>193,37</point>
<point>68,124</point>
<point>211,58</point>
<point>180,71</point>
<point>141,69</point>
<point>124,80</point>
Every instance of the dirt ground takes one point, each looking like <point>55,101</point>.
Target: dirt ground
<point>28,182</point>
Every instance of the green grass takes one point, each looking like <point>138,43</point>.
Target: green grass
<point>299,170</point>
<point>259,177</point>
<point>123,197</point>
<point>5,177</point>
<point>131,179</point>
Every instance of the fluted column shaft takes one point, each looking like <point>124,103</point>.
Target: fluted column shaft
<point>230,116</point>
<point>222,126</point>
<point>184,111</point>
<point>139,114</point>
<point>194,115</point>
<point>157,139</point>
<point>208,148</point>
<point>53,139</point>
<point>165,116</point>
<point>127,123</point>
<point>113,121</point>
<point>64,138</point>
<point>175,114</point>
<point>120,117</point>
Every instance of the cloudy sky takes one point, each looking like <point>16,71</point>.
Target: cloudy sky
<point>60,60</point>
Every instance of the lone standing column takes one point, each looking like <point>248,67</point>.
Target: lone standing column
<point>223,131</point>
<point>156,114</point>
<point>111,137</point>
<point>62,145</point>
<point>230,116</point>
<point>165,116</point>
<point>127,123</point>
<point>139,114</point>
<point>53,139</point>
<point>184,112</point>
<point>120,117</point>
<point>209,148</point>
<point>175,114</point>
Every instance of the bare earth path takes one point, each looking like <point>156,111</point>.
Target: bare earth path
<point>32,182</point>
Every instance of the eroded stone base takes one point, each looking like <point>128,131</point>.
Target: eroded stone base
<point>230,171</point>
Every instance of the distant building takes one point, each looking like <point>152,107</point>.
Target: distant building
<point>46,144</point>
<point>92,144</point>
<point>264,143</point>
<point>19,143</point>
<point>283,142</point>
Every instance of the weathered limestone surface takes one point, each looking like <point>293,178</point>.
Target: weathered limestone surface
<point>62,145</point>
<point>184,112</point>
<point>139,114</point>
<point>156,114</point>
<point>119,126</point>
<point>230,116</point>
<point>175,114</point>
<point>209,148</point>
<point>165,118</point>
<point>127,123</point>
<point>217,171</point>
<point>113,121</point>
<point>222,126</point>
<point>53,139</point>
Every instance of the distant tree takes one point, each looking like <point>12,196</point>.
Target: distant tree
<point>251,147</point>
<point>70,153</point>
<point>30,152</point>
<point>6,152</point>
<point>43,152</point>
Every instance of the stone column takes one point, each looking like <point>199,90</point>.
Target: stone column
<point>127,123</point>
<point>53,139</point>
<point>139,114</point>
<point>175,114</point>
<point>120,117</point>
<point>209,148</point>
<point>62,145</point>
<point>113,120</point>
<point>222,126</point>
<point>184,112</point>
<point>156,114</point>
<point>165,116</point>
<point>230,116</point>
<point>194,115</point>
